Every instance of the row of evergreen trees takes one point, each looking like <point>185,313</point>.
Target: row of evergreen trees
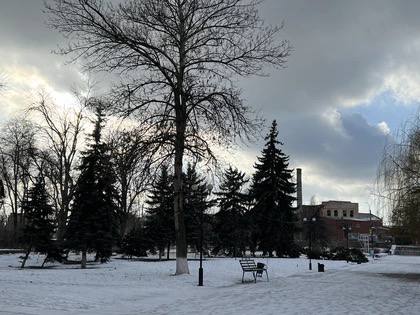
<point>261,217</point>
<point>256,217</point>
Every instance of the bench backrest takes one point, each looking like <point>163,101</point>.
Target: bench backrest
<point>248,264</point>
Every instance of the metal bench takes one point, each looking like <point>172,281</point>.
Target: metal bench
<point>257,270</point>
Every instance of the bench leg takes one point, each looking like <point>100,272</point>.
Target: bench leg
<point>255,277</point>
<point>243,274</point>
<point>266,273</point>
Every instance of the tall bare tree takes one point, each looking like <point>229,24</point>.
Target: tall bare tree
<point>179,60</point>
<point>61,131</point>
<point>132,169</point>
<point>398,181</point>
<point>17,151</point>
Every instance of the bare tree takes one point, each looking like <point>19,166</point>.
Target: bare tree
<point>179,60</point>
<point>17,150</point>
<point>132,168</point>
<point>61,131</point>
<point>398,180</point>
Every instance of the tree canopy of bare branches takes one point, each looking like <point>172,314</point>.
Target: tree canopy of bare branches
<point>132,169</point>
<point>178,60</point>
<point>17,151</point>
<point>398,181</point>
<point>60,131</point>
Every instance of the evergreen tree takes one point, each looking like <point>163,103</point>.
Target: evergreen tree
<point>159,224</point>
<point>135,243</point>
<point>39,225</point>
<point>92,224</point>
<point>230,222</point>
<point>272,193</point>
<point>196,192</point>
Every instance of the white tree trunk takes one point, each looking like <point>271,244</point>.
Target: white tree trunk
<point>182,265</point>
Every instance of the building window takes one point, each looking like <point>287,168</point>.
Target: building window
<point>335,213</point>
<point>344,213</point>
<point>351,213</point>
<point>328,213</point>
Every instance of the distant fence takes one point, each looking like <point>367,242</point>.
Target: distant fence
<point>405,250</point>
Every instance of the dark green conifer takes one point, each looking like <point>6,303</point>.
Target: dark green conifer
<point>159,221</point>
<point>92,223</point>
<point>196,195</point>
<point>39,224</point>
<point>231,229</point>
<point>273,192</point>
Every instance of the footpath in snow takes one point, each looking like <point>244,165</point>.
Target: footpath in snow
<point>390,285</point>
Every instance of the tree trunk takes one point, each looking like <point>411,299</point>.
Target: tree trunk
<point>61,226</point>
<point>83,263</point>
<point>26,257</point>
<point>169,249</point>
<point>180,233</point>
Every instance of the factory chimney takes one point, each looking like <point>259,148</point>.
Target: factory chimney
<point>299,187</point>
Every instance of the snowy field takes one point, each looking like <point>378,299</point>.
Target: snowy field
<point>390,285</point>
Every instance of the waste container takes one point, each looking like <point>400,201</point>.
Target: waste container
<point>321,267</point>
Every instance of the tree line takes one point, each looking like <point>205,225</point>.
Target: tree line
<point>241,214</point>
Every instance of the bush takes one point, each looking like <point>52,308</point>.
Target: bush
<point>315,253</point>
<point>134,244</point>
<point>352,254</point>
<point>292,251</point>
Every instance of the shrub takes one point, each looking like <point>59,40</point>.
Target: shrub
<point>352,254</point>
<point>134,244</point>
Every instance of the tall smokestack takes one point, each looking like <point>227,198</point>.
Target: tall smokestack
<point>299,187</point>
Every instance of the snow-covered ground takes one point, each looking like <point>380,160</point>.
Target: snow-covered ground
<point>390,285</point>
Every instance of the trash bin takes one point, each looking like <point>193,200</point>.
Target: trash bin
<point>321,267</point>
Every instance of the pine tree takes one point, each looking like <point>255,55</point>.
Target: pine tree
<point>272,193</point>
<point>196,192</point>
<point>39,225</point>
<point>135,243</point>
<point>230,222</point>
<point>92,223</point>
<point>159,223</point>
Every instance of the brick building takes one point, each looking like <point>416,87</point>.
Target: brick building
<point>336,218</point>
<point>339,217</point>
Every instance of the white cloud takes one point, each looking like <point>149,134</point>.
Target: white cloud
<point>383,127</point>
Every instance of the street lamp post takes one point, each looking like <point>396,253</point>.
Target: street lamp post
<point>310,222</point>
<point>209,188</point>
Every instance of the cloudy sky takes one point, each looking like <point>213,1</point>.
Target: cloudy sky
<point>352,79</point>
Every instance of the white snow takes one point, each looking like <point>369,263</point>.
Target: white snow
<point>390,285</point>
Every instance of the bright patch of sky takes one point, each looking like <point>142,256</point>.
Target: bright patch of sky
<point>385,110</point>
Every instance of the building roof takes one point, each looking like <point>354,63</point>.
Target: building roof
<point>366,217</point>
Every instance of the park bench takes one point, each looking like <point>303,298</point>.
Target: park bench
<point>257,270</point>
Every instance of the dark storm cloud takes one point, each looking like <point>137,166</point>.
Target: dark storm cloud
<point>27,42</point>
<point>343,50</point>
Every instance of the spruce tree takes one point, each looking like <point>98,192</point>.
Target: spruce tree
<point>273,192</point>
<point>230,227</point>
<point>39,225</point>
<point>92,223</point>
<point>196,199</point>
<point>159,223</point>
<point>135,243</point>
